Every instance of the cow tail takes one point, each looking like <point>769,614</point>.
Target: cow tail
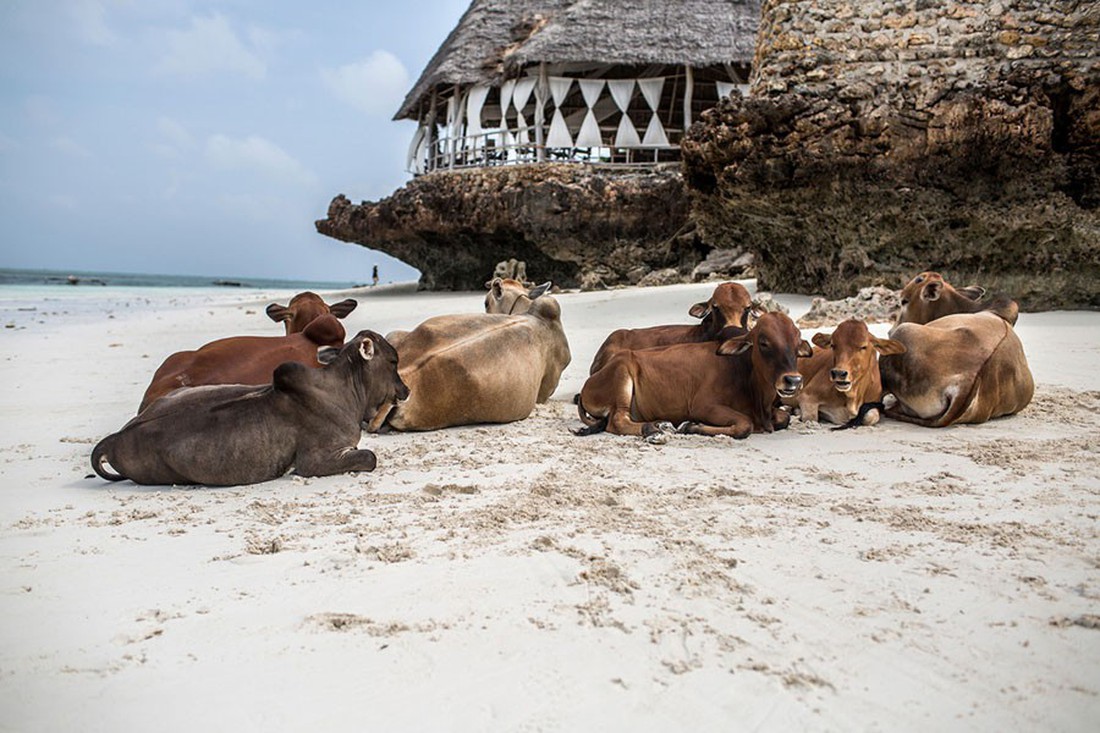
<point>99,457</point>
<point>592,424</point>
<point>953,412</point>
<point>856,421</point>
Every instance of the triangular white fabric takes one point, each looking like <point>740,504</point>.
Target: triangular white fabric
<point>523,133</point>
<point>412,161</point>
<point>724,88</point>
<point>651,90</point>
<point>589,135</point>
<point>655,136</point>
<point>590,90</point>
<point>420,159</point>
<point>621,91</point>
<point>559,88</point>
<point>474,102</point>
<point>521,95</point>
<point>506,99</point>
<point>559,136</point>
<point>627,135</point>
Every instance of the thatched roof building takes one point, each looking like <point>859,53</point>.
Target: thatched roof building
<point>591,80</point>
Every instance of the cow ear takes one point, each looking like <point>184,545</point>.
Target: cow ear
<point>888,346</point>
<point>932,291</point>
<point>974,292</point>
<point>495,287</point>
<point>736,345</point>
<point>699,310</point>
<point>343,308</point>
<point>327,354</point>
<point>824,340</point>
<point>278,313</point>
<point>366,349</point>
<point>804,348</point>
<point>540,290</point>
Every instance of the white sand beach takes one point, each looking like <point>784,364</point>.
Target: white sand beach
<point>516,577</point>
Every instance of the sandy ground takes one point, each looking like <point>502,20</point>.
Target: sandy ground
<point>518,578</point>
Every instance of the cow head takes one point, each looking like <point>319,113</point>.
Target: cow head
<point>928,296</point>
<point>729,305</point>
<point>854,350</point>
<point>776,345</point>
<point>304,307</point>
<point>511,297</point>
<point>372,362</point>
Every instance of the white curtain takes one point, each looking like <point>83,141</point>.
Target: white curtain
<point>724,88</point>
<point>474,102</point>
<point>506,90</point>
<point>589,135</point>
<point>414,159</point>
<point>559,135</point>
<point>622,91</point>
<point>655,135</point>
<point>520,96</point>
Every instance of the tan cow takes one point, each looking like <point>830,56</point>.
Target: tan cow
<point>928,296</point>
<point>729,305</point>
<point>483,367</point>
<point>843,375</point>
<point>962,368</point>
<point>304,307</point>
<point>732,388</point>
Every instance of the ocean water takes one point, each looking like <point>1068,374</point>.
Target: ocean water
<point>69,279</point>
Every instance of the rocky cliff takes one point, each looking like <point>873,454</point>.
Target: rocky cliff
<point>885,139</point>
<point>570,223</point>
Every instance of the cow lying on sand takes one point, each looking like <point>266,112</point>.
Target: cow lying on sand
<point>304,307</point>
<point>962,368</point>
<point>843,375</point>
<point>729,305</point>
<point>482,367</point>
<point>928,296</point>
<point>732,388</point>
<point>243,359</point>
<point>235,434</point>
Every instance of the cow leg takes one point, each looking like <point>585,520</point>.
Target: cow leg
<point>330,463</point>
<point>720,420</point>
<point>781,419</point>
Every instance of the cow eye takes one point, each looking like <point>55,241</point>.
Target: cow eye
<point>905,301</point>
<point>919,279</point>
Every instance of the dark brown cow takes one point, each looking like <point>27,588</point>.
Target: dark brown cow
<point>843,374</point>
<point>729,305</point>
<point>304,307</point>
<point>243,359</point>
<point>962,368</point>
<point>233,434</point>
<point>928,296</point>
<point>732,388</point>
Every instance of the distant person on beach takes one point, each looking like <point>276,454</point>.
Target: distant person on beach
<point>374,275</point>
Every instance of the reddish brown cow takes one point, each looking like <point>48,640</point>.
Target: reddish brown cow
<point>843,375</point>
<point>731,388</point>
<point>243,359</point>
<point>928,296</point>
<point>729,305</point>
<point>304,307</point>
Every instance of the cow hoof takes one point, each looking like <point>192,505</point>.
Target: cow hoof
<point>658,438</point>
<point>665,426</point>
<point>889,400</point>
<point>683,427</point>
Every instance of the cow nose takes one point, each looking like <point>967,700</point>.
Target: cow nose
<point>792,381</point>
<point>839,375</point>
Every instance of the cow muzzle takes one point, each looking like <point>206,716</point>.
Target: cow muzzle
<point>789,384</point>
<point>841,380</point>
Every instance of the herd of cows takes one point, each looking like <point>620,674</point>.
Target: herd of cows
<point>247,409</point>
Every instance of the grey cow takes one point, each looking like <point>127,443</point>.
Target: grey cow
<point>235,434</point>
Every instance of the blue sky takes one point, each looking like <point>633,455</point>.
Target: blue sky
<point>189,137</point>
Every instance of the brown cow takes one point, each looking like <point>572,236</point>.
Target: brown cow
<point>843,375</point>
<point>304,307</point>
<point>729,389</point>
<point>928,296</point>
<point>243,359</point>
<point>729,305</point>
<point>962,368</point>
<point>482,367</point>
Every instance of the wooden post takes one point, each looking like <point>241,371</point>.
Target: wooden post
<point>454,128</point>
<point>433,154</point>
<point>540,101</point>
<point>687,99</point>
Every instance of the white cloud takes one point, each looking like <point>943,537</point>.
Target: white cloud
<point>209,46</point>
<point>69,146</point>
<point>89,19</point>
<point>257,154</point>
<point>375,85</point>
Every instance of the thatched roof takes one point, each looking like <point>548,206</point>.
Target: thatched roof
<point>498,37</point>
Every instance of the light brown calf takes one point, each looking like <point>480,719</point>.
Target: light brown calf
<point>843,374</point>
<point>729,305</point>
<point>732,388</point>
<point>303,308</point>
